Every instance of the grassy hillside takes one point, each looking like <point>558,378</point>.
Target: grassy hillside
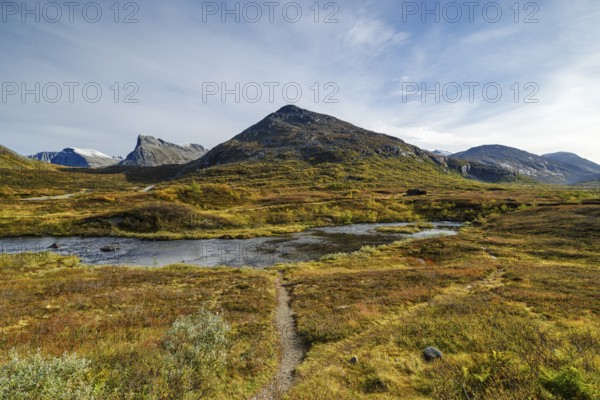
<point>11,160</point>
<point>256,199</point>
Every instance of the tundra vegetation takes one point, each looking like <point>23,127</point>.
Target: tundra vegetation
<point>511,301</point>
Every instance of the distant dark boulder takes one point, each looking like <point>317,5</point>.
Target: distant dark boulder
<point>416,192</point>
<point>108,248</point>
<point>431,354</point>
<point>54,246</point>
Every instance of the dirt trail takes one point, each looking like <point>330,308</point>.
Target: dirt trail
<point>60,197</point>
<point>292,349</point>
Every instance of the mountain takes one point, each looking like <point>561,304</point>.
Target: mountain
<point>442,153</point>
<point>541,169</point>
<point>575,161</point>
<point>152,152</point>
<point>74,157</point>
<point>293,133</point>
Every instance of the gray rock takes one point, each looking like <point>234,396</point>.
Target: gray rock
<point>152,152</point>
<point>431,354</point>
<point>354,360</point>
<point>54,246</point>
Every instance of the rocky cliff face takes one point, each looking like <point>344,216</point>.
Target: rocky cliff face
<point>78,158</point>
<point>152,152</point>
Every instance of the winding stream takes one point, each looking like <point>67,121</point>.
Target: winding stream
<point>257,252</point>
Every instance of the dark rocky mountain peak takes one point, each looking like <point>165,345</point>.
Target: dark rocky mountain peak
<point>296,133</point>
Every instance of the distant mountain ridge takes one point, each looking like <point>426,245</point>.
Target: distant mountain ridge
<point>152,152</point>
<point>292,133</point>
<point>547,169</point>
<point>574,160</point>
<point>74,157</point>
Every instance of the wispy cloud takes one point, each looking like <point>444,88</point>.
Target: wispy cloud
<point>368,54</point>
<point>375,34</point>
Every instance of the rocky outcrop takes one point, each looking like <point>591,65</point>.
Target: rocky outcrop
<point>152,152</point>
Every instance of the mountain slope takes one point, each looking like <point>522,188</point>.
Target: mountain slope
<point>152,152</point>
<point>11,160</point>
<point>530,165</point>
<point>74,157</point>
<point>586,166</point>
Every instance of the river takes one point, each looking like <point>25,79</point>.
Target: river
<point>260,252</point>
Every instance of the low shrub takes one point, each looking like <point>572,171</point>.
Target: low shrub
<point>197,349</point>
<point>566,384</point>
<point>55,378</point>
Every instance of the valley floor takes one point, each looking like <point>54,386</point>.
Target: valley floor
<point>512,303</point>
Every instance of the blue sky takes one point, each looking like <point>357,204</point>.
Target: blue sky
<point>370,61</point>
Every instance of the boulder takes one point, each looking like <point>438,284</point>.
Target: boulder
<point>108,248</point>
<point>431,354</point>
<point>416,192</point>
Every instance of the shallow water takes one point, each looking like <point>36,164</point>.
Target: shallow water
<point>309,245</point>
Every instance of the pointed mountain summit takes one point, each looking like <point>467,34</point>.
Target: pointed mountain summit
<point>152,152</point>
<point>296,133</point>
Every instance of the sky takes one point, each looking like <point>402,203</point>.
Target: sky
<point>440,75</point>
